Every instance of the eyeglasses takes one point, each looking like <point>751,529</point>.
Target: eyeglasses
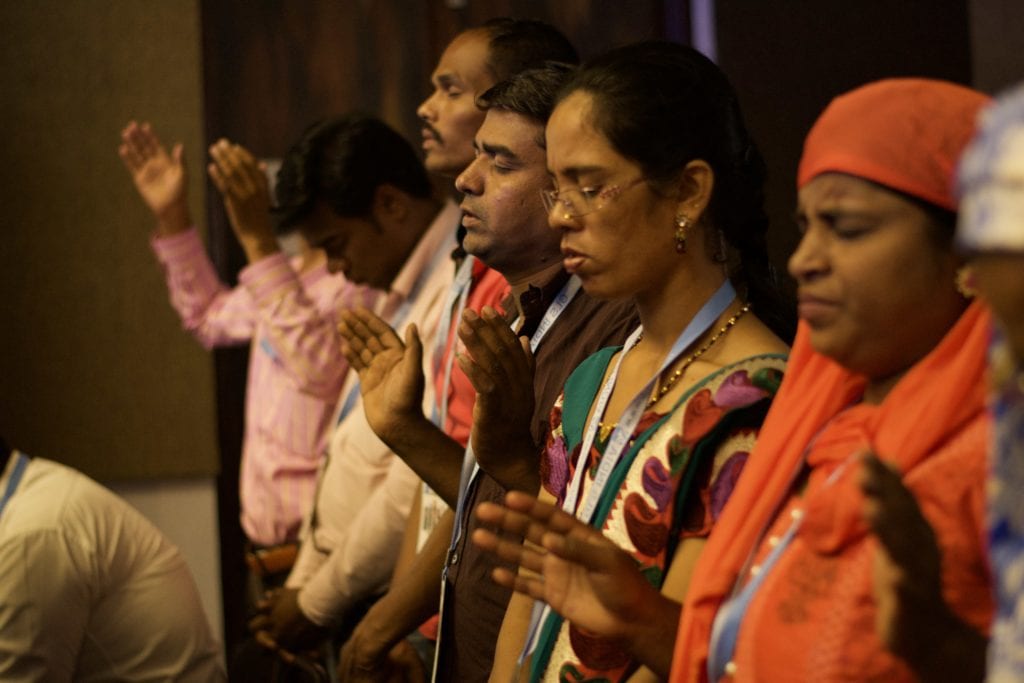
<point>574,202</point>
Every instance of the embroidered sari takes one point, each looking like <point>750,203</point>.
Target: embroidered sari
<point>671,484</point>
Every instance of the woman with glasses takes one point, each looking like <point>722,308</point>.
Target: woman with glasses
<point>885,383</point>
<point>659,200</point>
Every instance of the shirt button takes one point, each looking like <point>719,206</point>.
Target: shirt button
<point>455,559</point>
<point>773,541</point>
<point>755,570</point>
<point>730,669</point>
<point>797,514</point>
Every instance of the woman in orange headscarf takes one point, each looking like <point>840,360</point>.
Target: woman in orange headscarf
<point>889,359</point>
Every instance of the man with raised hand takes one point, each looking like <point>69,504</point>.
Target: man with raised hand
<point>506,228</point>
<point>359,518</point>
<point>357,190</point>
<point>285,308</point>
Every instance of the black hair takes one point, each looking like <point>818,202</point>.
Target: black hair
<point>941,221</point>
<point>342,161</point>
<point>663,105</point>
<point>531,93</point>
<point>515,45</point>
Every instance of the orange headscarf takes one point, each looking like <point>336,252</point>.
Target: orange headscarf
<point>905,134</point>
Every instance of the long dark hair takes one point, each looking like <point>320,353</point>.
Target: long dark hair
<point>664,105</point>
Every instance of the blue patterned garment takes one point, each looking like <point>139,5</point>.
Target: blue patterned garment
<point>1006,517</point>
<point>991,184</point>
<point>990,180</point>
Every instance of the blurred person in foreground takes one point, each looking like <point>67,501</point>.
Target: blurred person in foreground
<point>90,590</point>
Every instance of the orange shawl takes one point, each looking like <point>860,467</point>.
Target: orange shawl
<point>940,396</point>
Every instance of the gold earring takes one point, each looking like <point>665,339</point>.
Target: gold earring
<point>965,282</point>
<point>682,223</point>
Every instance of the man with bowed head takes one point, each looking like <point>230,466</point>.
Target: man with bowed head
<point>506,227</point>
<point>356,189</point>
<point>285,308</point>
<point>365,493</point>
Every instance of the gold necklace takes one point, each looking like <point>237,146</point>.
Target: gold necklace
<point>605,430</point>
<point>662,389</point>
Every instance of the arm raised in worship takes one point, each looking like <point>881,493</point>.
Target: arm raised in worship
<point>501,369</point>
<point>912,619</point>
<point>392,383</point>
<point>160,178</point>
<point>586,578</point>
<point>300,336</point>
<point>214,314</point>
<point>242,183</point>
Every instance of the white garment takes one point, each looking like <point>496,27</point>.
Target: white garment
<point>92,591</point>
<point>365,490</point>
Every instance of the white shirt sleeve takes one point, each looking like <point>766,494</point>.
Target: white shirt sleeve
<point>44,607</point>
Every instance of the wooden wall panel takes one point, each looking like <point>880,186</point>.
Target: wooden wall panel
<point>95,368</point>
<point>789,59</point>
<point>997,29</point>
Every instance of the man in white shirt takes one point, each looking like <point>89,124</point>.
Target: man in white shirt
<point>365,491</point>
<point>89,589</point>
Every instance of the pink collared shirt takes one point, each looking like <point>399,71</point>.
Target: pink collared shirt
<point>296,369</point>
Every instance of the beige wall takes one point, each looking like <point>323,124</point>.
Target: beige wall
<point>95,369</point>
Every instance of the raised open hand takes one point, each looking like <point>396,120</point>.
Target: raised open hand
<point>390,371</point>
<point>159,177</point>
<point>501,368</point>
<point>571,566</point>
<point>242,182</point>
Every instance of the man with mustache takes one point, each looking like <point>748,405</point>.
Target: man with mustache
<point>357,521</point>
<point>506,227</point>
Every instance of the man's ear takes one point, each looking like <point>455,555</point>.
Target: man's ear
<point>390,205</point>
<point>694,185</point>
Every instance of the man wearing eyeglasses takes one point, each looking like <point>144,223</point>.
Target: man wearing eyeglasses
<point>506,227</point>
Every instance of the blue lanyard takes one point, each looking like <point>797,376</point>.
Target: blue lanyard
<point>12,483</point>
<point>397,318</point>
<point>453,307</point>
<point>349,403</point>
<point>712,309</point>
<point>623,432</point>
<point>470,468</point>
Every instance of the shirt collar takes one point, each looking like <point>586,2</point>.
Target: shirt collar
<point>440,235</point>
